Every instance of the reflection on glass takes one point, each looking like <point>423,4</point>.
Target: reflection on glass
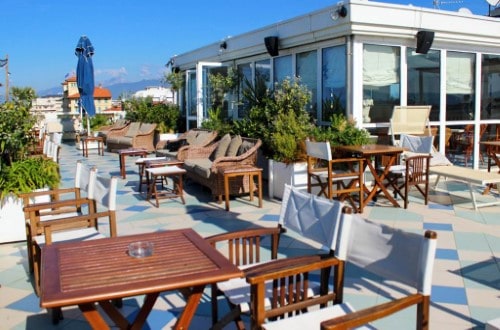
<point>282,68</point>
<point>460,86</point>
<point>424,80</point>
<point>381,85</point>
<point>333,81</point>
<point>308,73</point>
<point>490,98</point>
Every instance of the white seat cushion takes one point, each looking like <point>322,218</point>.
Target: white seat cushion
<point>312,319</point>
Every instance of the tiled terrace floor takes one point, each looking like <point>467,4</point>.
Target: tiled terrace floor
<point>466,291</point>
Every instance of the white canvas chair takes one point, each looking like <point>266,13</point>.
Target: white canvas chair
<point>37,204</point>
<point>412,119</point>
<point>101,203</point>
<point>339,177</point>
<point>398,257</point>
<point>309,216</point>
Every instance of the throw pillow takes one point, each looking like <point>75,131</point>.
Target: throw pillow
<point>245,146</point>
<point>221,149</point>
<point>191,136</point>
<point>234,146</point>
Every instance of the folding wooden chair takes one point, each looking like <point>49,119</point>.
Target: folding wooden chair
<point>310,216</point>
<point>339,177</point>
<point>396,256</point>
<point>37,205</point>
<point>101,203</point>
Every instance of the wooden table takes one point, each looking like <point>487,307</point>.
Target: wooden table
<point>85,144</point>
<point>233,172</point>
<point>492,148</point>
<point>98,271</point>
<point>370,154</point>
<point>122,153</point>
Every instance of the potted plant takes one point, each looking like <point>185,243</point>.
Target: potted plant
<point>19,173</point>
<point>280,119</point>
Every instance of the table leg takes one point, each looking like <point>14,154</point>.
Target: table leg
<point>180,189</point>
<point>92,316</point>
<point>226,190</point>
<point>379,181</point>
<point>259,182</point>
<point>122,166</point>
<point>251,183</point>
<point>192,303</point>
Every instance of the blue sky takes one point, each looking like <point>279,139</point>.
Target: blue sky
<point>133,40</point>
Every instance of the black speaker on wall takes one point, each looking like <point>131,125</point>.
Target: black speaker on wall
<point>424,41</point>
<point>272,45</point>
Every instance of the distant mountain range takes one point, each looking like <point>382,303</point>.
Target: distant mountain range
<point>117,90</point>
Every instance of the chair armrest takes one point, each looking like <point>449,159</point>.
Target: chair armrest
<point>358,318</point>
<point>56,204</point>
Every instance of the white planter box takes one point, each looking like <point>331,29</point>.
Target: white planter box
<point>12,221</point>
<point>294,174</point>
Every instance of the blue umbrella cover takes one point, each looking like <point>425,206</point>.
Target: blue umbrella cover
<point>85,74</point>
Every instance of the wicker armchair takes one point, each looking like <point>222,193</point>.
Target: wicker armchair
<point>120,124</point>
<point>203,164</point>
<point>135,135</point>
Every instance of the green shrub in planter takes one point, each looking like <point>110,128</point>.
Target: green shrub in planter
<point>29,174</point>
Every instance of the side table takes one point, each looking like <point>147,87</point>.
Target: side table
<point>85,144</point>
<point>251,171</point>
<point>150,162</point>
<point>122,153</point>
<point>173,172</point>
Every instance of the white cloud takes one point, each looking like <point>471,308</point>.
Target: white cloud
<point>112,76</point>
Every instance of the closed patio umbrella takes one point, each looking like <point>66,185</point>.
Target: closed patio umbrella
<point>85,77</point>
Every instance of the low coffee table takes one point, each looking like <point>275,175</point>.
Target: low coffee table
<point>151,162</point>
<point>159,173</point>
<point>129,152</point>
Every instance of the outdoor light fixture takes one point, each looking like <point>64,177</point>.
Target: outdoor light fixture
<point>223,46</point>
<point>272,44</point>
<point>424,41</point>
<point>340,11</point>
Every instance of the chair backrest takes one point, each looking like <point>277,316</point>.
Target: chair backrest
<point>388,252</point>
<point>321,150</point>
<point>410,120</point>
<point>311,216</point>
<point>103,192</point>
<point>418,144</point>
<point>83,176</point>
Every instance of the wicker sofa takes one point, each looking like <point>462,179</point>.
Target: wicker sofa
<point>196,137</point>
<point>104,131</point>
<point>203,163</point>
<point>134,135</point>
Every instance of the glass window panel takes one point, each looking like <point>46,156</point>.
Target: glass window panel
<point>263,72</point>
<point>333,82</point>
<point>460,86</point>
<point>424,80</point>
<point>490,98</point>
<point>191,86</point>
<point>282,68</point>
<point>381,85</point>
<point>245,76</point>
<point>307,64</point>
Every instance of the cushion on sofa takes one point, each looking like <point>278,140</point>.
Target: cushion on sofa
<point>133,129</point>
<point>220,150</point>
<point>191,136</point>
<point>199,166</point>
<point>146,128</point>
<point>234,146</point>
<point>245,146</point>
<point>201,138</point>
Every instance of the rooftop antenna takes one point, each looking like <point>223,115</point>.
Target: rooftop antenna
<point>438,3</point>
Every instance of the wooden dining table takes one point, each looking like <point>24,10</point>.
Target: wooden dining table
<point>100,271</point>
<point>371,154</point>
